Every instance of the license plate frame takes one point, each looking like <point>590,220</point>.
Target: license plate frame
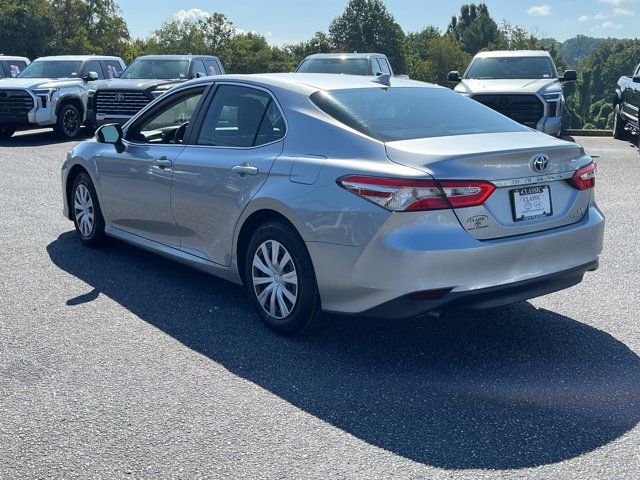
<point>519,208</point>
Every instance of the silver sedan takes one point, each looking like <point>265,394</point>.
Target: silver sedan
<point>383,197</point>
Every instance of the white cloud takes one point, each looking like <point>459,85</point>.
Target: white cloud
<point>618,2</point>
<point>623,12</point>
<point>584,18</point>
<point>541,10</point>
<point>600,17</point>
<point>608,25</point>
<point>192,15</point>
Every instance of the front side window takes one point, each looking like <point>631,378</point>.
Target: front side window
<point>408,113</point>
<point>52,69</point>
<point>241,117</point>
<point>347,66</point>
<point>511,68</point>
<point>94,66</point>
<point>385,66</point>
<point>148,69</point>
<point>198,69</point>
<point>168,123</point>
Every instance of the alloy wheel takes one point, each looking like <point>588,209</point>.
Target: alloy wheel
<point>83,210</point>
<point>70,122</point>
<point>275,279</point>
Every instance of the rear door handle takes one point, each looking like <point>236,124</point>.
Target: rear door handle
<point>245,169</point>
<point>162,162</point>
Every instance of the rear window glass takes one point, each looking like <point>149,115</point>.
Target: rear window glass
<point>347,66</point>
<point>395,114</point>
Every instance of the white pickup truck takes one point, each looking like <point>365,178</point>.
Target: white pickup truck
<point>53,92</point>
<point>524,85</point>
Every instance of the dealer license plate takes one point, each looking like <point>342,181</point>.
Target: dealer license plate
<point>529,203</point>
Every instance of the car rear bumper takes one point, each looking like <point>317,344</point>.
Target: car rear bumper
<point>414,253</point>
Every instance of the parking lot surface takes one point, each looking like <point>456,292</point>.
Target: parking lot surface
<point>117,363</point>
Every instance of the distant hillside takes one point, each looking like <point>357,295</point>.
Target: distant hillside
<point>574,50</point>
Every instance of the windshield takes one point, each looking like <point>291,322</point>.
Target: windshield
<point>512,68</point>
<point>52,69</point>
<point>347,66</point>
<point>157,69</point>
<point>408,113</point>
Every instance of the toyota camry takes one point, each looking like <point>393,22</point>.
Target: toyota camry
<point>380,197</point>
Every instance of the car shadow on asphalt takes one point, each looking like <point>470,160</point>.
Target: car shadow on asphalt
<point>39,138</point>
<point>511,388</point>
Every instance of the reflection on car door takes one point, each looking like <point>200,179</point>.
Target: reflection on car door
<point>226,161</point>
<point>136,184</point>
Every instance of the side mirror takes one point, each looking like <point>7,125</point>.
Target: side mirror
<point>111,134</point>
<point>199,74</point>
<point>569,76</point>
<point>454,76</point>
<point>636,79</point>
<point>378,74</point>
<point>90,77</point>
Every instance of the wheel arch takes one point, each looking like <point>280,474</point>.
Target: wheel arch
<point>254,217</point>
<point>75,101</point>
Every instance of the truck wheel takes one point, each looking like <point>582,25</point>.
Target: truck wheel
<point>6,132</point>
<point>69,122</point>
<point>619,125</point>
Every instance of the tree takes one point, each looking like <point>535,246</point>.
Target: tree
<point>319,43</point>
<point>26,27</point>
<point>250,53</point>
<point>367,26</point>
<point>442,54</point>
<point>474,28</point>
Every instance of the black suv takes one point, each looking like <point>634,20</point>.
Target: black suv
<point>148,77</point>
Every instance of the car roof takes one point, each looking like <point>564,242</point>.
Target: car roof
<point>308,83</point>
<point>79,58</point>
<point>344,55</point>
<point>175,57</point>
<point>11,57</point>
<point>513,53</point>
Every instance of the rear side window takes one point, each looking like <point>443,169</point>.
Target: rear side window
<point>212,67</point>
<point>14,67</point>
<point>241,117</point>
<point>407,113</point>
<point>112,68</point>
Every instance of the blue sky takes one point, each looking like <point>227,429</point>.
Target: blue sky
<point>289,21</point>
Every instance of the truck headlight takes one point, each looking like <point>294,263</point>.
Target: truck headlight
<point>45,95</point>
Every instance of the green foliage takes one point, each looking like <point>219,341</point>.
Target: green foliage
<point>319,43</point>
<point>26,27</point>
<point>367,26</point>
<point>474,28</point>
<point>441,55</point>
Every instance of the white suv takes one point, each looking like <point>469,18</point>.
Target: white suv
<point>52,92</point>
<point>524,85</point>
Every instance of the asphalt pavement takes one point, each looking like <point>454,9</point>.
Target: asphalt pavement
<point>116,363</point>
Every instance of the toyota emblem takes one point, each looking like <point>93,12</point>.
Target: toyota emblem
<point>120,97</point>
<point>539,163</point>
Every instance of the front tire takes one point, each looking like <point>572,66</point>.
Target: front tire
<point>280,279</point>
<point>87,215</point>
<point>6,132</point>
<point>69,122</point>
<point>619,125</point>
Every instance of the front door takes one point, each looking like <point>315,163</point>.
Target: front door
<point>136,184</point>
<point>224,164</point>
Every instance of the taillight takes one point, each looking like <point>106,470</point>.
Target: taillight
<point>406,195</point>
<point>585,178</point>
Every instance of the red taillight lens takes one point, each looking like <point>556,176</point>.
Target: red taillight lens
<point>585,178</point>
<point>407,195</point>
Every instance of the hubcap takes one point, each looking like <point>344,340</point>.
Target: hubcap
<point>70,122</point>
<point>275,280</point>
<point>83,210</point>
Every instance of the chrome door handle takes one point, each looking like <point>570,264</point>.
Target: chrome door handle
<point>162,162</point>
<point>245,169</point>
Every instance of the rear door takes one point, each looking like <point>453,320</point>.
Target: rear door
<point>225,162</point>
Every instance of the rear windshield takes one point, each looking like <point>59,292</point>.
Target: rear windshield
<point>347,66</point>
<point>512,68</point>
<point>408,113</point>
<point>157,69</point>
<point>52,69</point>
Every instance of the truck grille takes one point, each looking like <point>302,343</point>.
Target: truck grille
<point>525,109</point>
<point>120,102</point>
<point>15,102</point>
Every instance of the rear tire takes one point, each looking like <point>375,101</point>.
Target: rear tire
<point>69,122</point>
<point>280,279</point>
<point>619,125</point>
<point>6,132</point>
<point>86,212</point>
